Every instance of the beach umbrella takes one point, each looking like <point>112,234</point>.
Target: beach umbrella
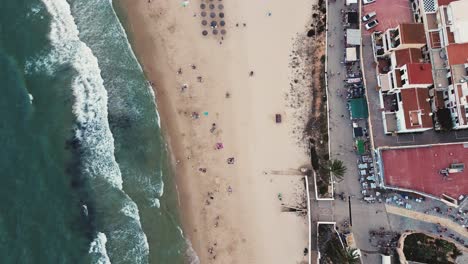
<point>221,15</point>
<point>220,6</point>
<point>215,32</point>
<point>222,23</point>
<point>212,15</point>
<point>204,32</point>
<point>204,22</point>
<point>202,6</point>
<point>203,14</point>
<point>212,6</point>
<point>213,24</point>
<point>223,32</point>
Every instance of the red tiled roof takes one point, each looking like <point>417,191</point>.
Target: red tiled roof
<point>457,53</point>
<point>418,168</point>
<point>414,103</point>
<point>419,73</point>
<point>445,2</point>
<point>405,56</point>
<point>412,33</point>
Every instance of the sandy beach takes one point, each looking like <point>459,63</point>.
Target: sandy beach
<point>214,113</point>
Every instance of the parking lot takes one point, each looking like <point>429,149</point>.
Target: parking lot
<point>389,14</point>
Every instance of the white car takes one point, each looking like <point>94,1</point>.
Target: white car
<point>372,24</point>
<point>368,16</point>
<point>366,2</point>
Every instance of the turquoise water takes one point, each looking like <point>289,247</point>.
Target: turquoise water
<point>84,166</point>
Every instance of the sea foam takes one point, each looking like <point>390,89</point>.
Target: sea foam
<point>97,249</point>
<point>90,105</point>
<point>92,129</point>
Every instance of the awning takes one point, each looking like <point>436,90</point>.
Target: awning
<point>353,17</point>
<point>351,54</point>
<point>360,147</point>
<point>358,108</point>
<point>353,36</point>
<point>357,131</point>
<point>348,2</point>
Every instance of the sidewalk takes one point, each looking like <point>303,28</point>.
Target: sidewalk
<point>426,218</point>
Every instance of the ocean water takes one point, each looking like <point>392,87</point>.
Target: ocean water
<point>85,170</point>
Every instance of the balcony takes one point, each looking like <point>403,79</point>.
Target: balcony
<point>390,102</point>
<point>431,20</point>
<point>394,38</point>
<point>384,65</point>
<point>378,44</point>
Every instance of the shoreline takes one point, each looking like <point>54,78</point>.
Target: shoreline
<point>228,213</point>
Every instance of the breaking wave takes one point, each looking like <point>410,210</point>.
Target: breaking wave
<point>97,249</point>
<point>118,215</point>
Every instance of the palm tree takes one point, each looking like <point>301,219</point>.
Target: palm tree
<point>352,256</point>
<point>337,168</point>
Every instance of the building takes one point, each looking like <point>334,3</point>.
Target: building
<point>436,171</point>
<point>404,77</point>
<point>430,58</point>
<point>446,28</point>
<point>403,36</point>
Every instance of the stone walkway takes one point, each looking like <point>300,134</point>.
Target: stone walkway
<point>427,218</point>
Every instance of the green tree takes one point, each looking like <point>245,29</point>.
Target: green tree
<point>337,168</point>
<point>352,256</point>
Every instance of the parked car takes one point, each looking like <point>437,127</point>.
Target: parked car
<point>372,24</point>
<point>366,2</point>
<point>368,16</point>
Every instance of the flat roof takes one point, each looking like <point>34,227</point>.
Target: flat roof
<point>415,107</point>
<point>351,54</point>
<point>412,33</point>
<point>419,73</point>
<point>445,2</point>
<point>418,169</point>
<point>457,53</point>
<point>457,13</point>
<point>353,36</point>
